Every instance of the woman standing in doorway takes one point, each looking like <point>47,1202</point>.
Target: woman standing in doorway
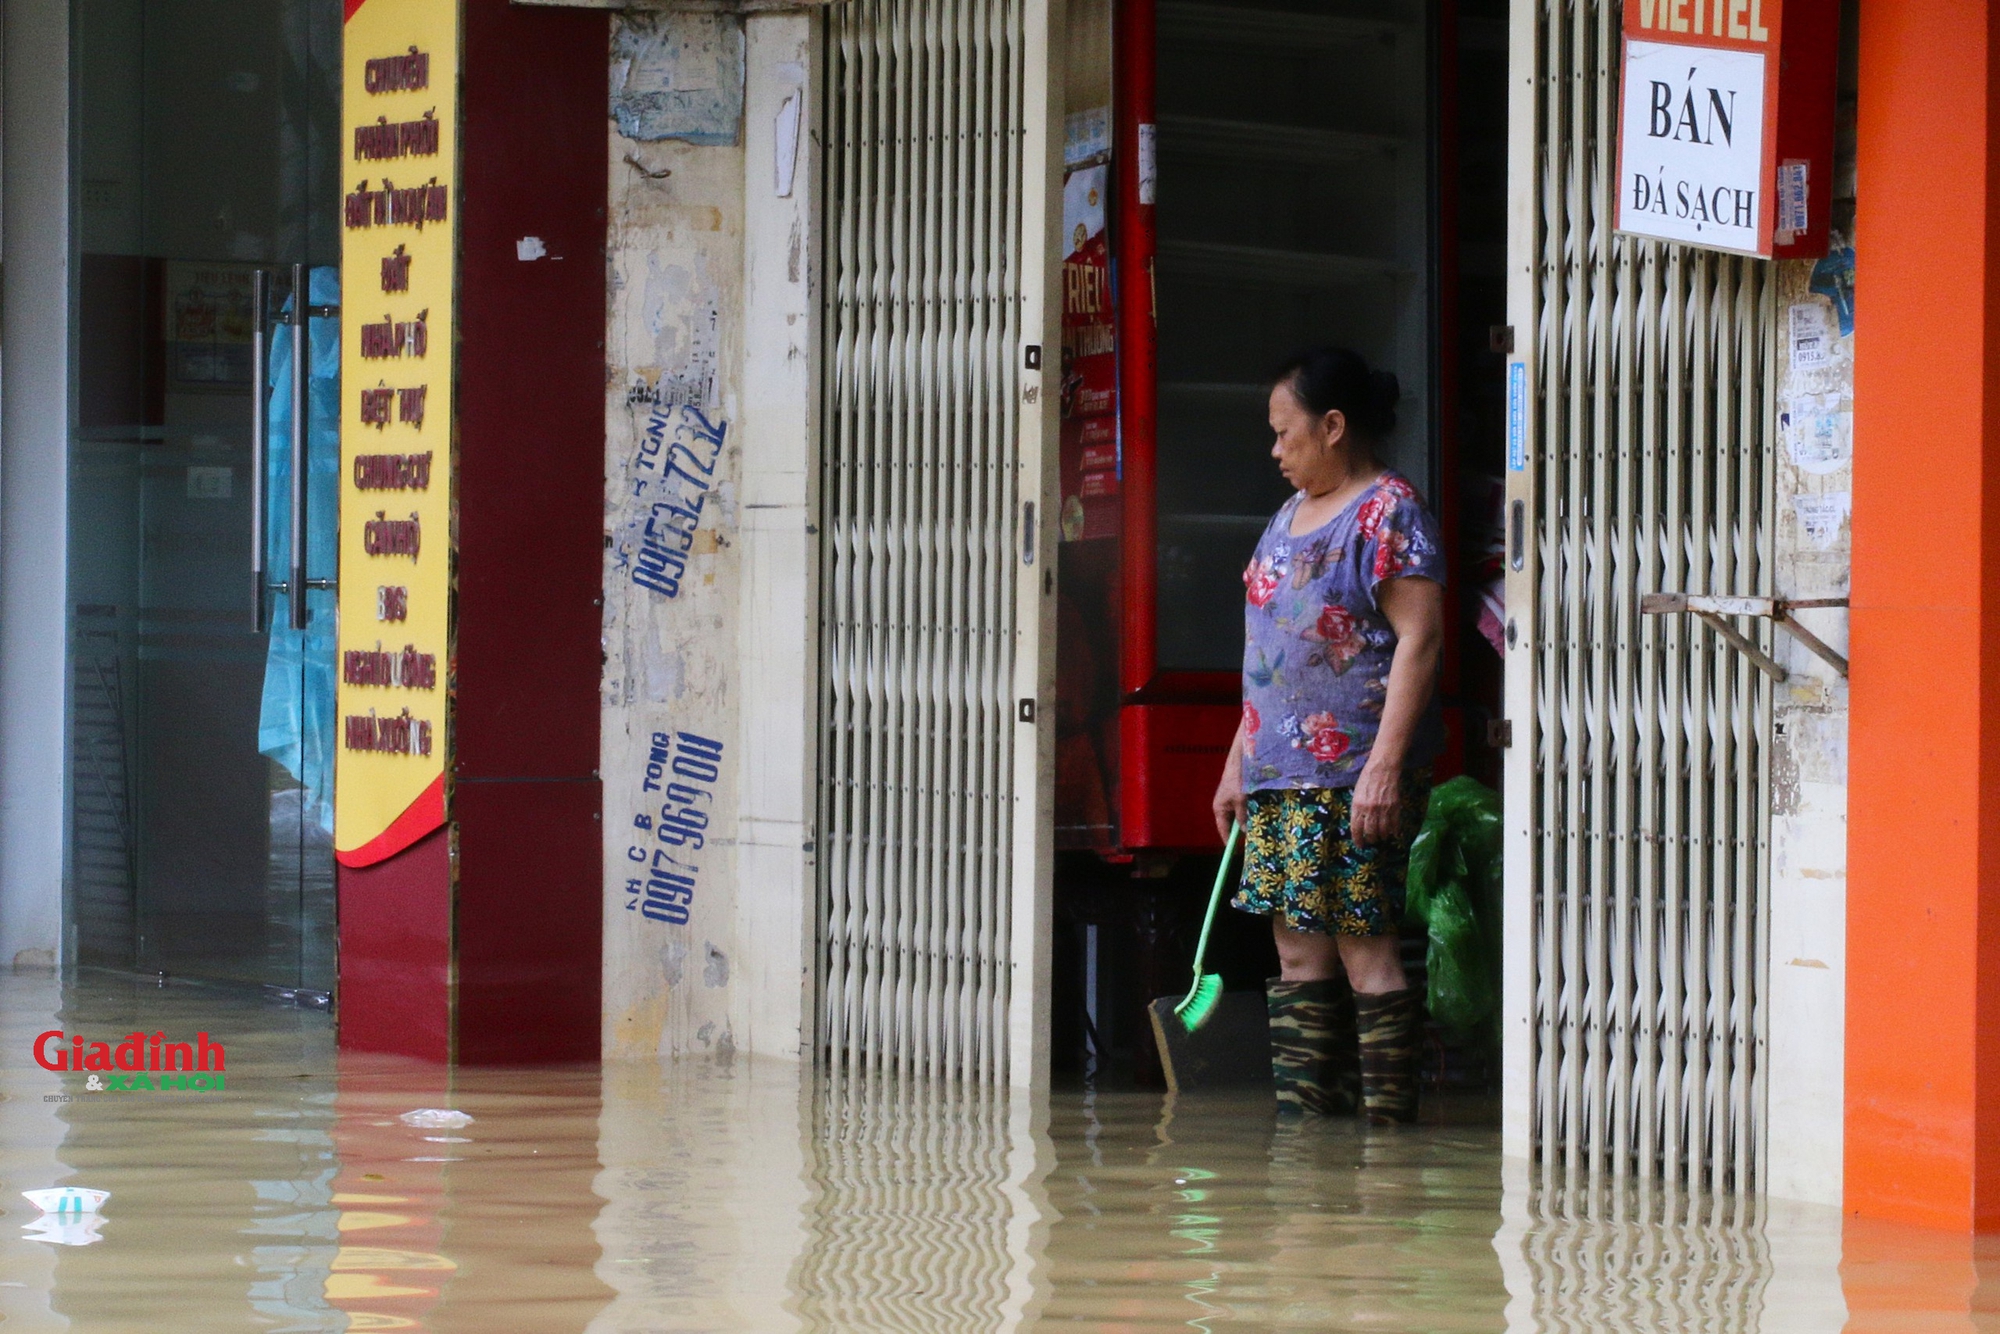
<point>1329,774</point>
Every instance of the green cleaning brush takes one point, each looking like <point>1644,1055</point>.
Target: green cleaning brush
<point>1196,1007</point>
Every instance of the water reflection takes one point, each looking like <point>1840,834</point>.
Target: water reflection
<point>741,1196</point>
<point>926,1212</point>
<point>217,1213</point>
<point>705,1192</point>
<point>481,1226</point>
<point>1585,1255</point>
<point>1210,1214</point>
<point>31,1137</point>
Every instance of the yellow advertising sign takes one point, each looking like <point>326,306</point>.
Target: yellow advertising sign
<point>398,212</point>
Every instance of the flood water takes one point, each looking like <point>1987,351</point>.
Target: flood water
<point>703,1196</point>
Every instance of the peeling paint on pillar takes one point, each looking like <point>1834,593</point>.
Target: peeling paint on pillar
<point>710,612</point>
<point>1812,485</point>
<point>675,278</point>
<point>678,76</point>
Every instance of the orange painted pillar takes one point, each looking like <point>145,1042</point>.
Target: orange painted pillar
<point>1923,923</point>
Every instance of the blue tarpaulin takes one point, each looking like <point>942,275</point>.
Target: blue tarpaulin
<point>296,726</point>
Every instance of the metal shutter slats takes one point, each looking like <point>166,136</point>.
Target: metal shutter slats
<point>922,292</point>
<point>1651,443</point>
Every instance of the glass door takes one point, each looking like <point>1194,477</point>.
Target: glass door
<point>201,732</point>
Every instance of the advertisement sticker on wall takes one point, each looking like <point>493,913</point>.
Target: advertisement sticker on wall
<point>399,152</point>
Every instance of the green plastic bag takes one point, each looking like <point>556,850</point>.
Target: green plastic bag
<point>1454,892</point>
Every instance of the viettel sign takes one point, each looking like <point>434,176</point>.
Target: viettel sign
<point>1726,127</point>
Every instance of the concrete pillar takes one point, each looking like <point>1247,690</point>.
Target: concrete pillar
<point>777,639</point>
<point>34,478</point>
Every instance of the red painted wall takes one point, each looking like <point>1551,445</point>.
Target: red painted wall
<point>525,792</point>
<point>529,927</point>
<point>395,952</point>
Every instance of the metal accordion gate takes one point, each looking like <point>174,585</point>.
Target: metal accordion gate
<point>936,158</point>
<point>1641,424</point>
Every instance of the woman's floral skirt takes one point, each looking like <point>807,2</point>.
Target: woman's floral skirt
<point>1300,862</point>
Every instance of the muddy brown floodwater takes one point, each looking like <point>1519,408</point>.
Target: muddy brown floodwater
<point>707,1196</point>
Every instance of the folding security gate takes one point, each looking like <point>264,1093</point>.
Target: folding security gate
<point>935,829</point>
<point>1641,428</point>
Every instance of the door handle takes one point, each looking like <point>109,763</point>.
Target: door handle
<point>295,584</point>
<point>260,427</point>
<point>301,353</point>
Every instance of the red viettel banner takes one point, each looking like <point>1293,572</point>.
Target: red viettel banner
<point>1726,124</point>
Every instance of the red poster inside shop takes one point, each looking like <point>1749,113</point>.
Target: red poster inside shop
<point>1091,519</point>
<point>1089,364</point>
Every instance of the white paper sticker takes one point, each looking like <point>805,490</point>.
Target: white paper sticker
<point>1819,433</point>
<point>785,146</point>
<point>1084,203</point>
<point>1820,516</point>
<point>1794,199</point>
<point>1147,170</point>
<point>1086,136</point>
<point>1811,336</point>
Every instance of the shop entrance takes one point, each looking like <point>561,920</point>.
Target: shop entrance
<point>201,698</point>
<point>1278,174</point>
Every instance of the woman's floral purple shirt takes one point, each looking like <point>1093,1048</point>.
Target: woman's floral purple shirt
<point>1317,648</point>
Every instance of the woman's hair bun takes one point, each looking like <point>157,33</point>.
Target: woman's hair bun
<point>1338,379</point>
<point>1385,391</point>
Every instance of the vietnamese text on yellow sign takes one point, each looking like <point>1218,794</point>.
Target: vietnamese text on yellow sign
<point>398,207</point>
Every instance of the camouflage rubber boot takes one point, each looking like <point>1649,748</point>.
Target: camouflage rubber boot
<point>1314,1062</point>
<point>1390,1029</point>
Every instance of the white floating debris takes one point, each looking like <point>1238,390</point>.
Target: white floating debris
<point>68,1199</point>
<point>446,1139</point>
<point>436,1118</point>
<point>65,1229</point>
